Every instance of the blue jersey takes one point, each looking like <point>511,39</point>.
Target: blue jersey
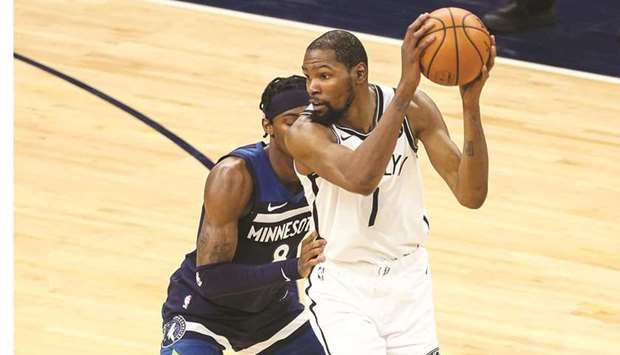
<point>271,231</point>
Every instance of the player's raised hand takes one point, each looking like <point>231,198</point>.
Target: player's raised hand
<point>470,92</point>
<point>311,253</point>
<point>412,48</point>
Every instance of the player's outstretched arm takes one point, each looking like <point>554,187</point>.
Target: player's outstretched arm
<point>466,174</point>
<point>360,171</point>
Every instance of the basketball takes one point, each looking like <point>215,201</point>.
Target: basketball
<point>460,49</point>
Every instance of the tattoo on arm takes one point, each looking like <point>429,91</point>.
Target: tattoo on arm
<point>201,243</point>
<point>220,252</point>
<point>469,148</point>
<point>214,251</point>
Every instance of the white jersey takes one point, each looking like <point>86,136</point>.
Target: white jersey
<point>385,225</point>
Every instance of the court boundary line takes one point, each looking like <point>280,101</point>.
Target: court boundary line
<point>379,39</point>
<point>178,141</point>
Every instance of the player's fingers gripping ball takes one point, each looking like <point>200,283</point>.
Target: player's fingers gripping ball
<point>461,47</point>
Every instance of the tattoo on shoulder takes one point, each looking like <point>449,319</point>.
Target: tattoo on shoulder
<point>469,148</point>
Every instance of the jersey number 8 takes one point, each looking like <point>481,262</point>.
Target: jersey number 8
<point>280,253</point>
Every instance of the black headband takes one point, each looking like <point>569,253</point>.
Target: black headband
<point>285,101</point>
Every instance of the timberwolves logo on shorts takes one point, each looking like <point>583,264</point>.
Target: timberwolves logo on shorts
<point>173,331</point>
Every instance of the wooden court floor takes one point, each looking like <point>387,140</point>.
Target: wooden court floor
<point>105,207</point>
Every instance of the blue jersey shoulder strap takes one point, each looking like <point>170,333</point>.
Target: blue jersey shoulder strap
<point>268,187</point>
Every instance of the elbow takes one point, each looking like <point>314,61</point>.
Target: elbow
<point>476,201</point>
<point>474,204</point>
<point>365,190</point>
<point>363,186</point>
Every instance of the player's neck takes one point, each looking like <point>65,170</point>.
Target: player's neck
<point>360,116</point>
<point>283,167</point>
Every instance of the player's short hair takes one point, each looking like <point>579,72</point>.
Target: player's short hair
<point>349,50</point>
<point>276,86</point>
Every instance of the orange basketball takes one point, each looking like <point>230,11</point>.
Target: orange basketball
<point>461,47</point>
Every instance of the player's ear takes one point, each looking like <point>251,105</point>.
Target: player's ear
<point>360,72</point>
<point>267,127</point>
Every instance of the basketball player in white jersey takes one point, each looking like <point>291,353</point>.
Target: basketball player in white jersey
<point>356,154</point>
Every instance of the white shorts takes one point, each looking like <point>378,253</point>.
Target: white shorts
<point>374,310</point>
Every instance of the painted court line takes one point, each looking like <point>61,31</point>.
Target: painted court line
<point>180,142</point>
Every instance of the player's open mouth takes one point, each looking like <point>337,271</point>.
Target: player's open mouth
<point>317,104</point>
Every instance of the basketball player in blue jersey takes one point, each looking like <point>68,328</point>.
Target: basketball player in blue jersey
<point>237,290</point>
<point>356,155</point>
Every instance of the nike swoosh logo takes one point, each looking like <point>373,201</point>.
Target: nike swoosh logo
<point>271,208</point>
<point>285,277</point>
<point>343,138</point>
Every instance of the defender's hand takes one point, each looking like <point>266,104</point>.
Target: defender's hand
<point>411,50</point>
<point>470,92</point>
<point>311,253</point>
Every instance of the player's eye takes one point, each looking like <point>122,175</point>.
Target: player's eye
<point>325,76</point>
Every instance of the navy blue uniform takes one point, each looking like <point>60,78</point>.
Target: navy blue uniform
<point>271,231</point>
